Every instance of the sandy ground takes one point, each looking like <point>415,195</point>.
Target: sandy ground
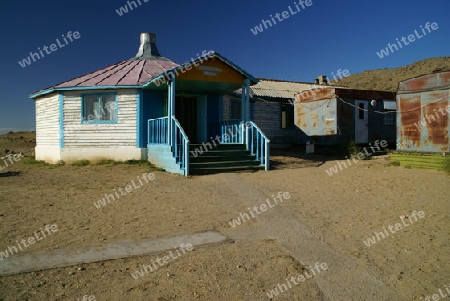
<point>339,212</point>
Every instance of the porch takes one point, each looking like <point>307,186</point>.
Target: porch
<point>192,136</point>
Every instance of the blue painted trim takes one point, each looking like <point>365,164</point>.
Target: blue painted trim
<point>44,92</point>
<point>100,121</point>
<point>139,119</point>
<point>61,119</point>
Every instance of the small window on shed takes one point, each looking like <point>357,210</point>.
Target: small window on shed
<point>389,110</point>
<point>361,111</point>
<point>99,108</point>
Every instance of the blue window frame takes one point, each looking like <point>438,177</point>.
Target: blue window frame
<point>99,108</point>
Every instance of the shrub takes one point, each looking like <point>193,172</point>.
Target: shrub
<point>394,163</point>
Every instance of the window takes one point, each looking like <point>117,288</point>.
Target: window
<point>235,109</point>
<point>287,116</point>
<point>390,109</point>
<point>389,118</point>
<point>99,108</point>
<point>361,111</point>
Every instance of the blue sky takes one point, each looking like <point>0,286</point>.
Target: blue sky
<point>319,39</point>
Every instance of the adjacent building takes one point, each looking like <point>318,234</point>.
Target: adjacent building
<point>423,122</point>
<point>333,115</point>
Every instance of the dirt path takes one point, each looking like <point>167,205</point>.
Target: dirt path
<point>277,223</point>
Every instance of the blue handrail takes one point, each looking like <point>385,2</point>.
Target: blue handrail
<point>248,133</point>
<point>180,146</point>
<point>257,143</point>
<point>231,131</point>
<point>157,131</point>
<point>179,142</point>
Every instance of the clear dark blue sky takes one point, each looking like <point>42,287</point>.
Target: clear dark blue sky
<point>320,39</point>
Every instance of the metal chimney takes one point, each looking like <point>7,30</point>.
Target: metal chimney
<point>148,49</point>
<point>322,80</point>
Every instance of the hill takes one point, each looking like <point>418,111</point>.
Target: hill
<point>24,142</point>
<point>387,79</point>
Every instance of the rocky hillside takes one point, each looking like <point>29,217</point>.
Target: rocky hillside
<point>387,79</point>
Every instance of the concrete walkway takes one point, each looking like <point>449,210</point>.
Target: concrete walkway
<point>16,264</point>
<point>343,280</point>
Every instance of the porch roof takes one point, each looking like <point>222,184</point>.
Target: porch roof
<point>142,73</point>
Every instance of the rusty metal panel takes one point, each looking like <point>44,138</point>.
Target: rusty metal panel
<point>422,83</point>
<point>315,94</point>
<point>435,133</point>
<point>408,113</point>
<point>423,119</point>
<point>317,118</point>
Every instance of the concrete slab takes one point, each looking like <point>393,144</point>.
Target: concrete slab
<point>62,258</point>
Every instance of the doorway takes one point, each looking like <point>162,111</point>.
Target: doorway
<point>186,114</point>
<point>361,121</point>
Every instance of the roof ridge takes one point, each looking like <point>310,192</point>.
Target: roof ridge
<point>282,80</point>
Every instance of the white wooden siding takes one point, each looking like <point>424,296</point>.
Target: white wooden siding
<point>120,134</point>
<point>47,120</point>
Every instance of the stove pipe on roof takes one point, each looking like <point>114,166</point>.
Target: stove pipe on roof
<point>148,49</point>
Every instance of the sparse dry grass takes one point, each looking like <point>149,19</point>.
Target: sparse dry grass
<point>388,79</point>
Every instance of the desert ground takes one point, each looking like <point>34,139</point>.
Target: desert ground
<point>326,219</point>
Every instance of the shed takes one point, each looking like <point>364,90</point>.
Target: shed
<point>423,107</point>
<point>272,108</point>
<point>333,115</point>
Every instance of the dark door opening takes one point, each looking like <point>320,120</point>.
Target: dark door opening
<point>186,113</point>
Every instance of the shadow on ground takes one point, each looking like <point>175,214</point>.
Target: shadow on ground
<point>9,174</point>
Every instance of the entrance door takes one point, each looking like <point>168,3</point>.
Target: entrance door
<point>186,113</point>
<point>361,121</point>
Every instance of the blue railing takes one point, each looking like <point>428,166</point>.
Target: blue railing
<point>180,146</point>
<point>178,140</point>
<point>248,133</point>
<point>231,131</point>
<point>157,131</point>
<point>257,143</point>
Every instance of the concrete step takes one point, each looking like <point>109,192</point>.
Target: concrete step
<point>219,153</point>
<point>212,147</point>
<point>201,165</point>
<point>204,171</point>
<point>221,158</point>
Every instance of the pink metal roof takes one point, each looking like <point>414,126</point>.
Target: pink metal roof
<point>129,72</point>
<point>135,72</point>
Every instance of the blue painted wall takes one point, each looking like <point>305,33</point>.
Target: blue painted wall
<point>213,111</point>
<point>153,106</point>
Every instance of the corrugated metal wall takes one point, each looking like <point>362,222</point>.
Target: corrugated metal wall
<point>423,109</point>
